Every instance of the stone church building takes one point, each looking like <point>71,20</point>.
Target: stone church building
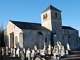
<point>26,34</point>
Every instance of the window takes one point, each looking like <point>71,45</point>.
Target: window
<point>45,16</point>
<point>56,15</point>
<point>40,33</point>
<point>45,39</point>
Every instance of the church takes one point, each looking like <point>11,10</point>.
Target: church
<point>27,35</point>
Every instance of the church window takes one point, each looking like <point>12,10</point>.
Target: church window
<point>45,16</point>
<point>45,39</point>
<point>56,15</point>
<point>40,33</point>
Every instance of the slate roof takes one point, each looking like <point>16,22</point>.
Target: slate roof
<point>68,27</point>
<point>51,7</point>
<point>35,26</point>
<point>28,25</point>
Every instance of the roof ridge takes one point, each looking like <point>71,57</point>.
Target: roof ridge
<point>24,22</point>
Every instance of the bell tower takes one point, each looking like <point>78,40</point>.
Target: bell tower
<point>51,20</point>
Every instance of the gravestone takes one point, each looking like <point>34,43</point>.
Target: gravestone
<point>2,51</point>
<point>28,54</point>
<point>22,55</point>
<point>14,52</point>
<point>24,50</point>
<point>49,48</point>
<point>68,46</point>
<point>35,47</point>
<point>6,50</point>
<point>59,49</point>
<point>32,54</point>
<point>18,52</point>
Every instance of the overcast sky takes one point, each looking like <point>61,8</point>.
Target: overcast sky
<point>30,10</point>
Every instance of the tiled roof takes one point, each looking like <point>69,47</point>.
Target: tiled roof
<point>28,25</point>
<point>51,7</point>
<point>68,27</point>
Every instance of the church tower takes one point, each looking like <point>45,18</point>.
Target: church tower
<point>51,19</point>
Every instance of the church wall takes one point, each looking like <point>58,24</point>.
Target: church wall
<point>35,37</point>
<point>11,28</point>
<point>71,37</point>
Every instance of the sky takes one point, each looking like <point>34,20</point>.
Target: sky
<point>30,10</point>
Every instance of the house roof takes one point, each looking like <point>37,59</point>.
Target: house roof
<point>51,7</point>
<point>68,27</point>
<point>28,25</point>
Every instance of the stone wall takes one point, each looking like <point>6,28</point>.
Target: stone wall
<point>71,37</point>
<point>35,37</point>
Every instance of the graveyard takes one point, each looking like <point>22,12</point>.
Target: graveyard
<point>58,52</point>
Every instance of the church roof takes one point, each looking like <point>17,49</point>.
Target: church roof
<point>68,27</point>
<point>28,25</point>
<point>51,7</point>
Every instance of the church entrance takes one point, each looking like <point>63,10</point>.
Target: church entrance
<point>12,39</point>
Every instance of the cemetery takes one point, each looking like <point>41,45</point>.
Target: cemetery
<point>47,53</point>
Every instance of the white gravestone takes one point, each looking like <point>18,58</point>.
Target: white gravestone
<point>28,54</point>
<point>32,54</point>
<point>59,49</point>
<point>35,47</point>
<point>49,48</point>
<point>68,46</point>
<point>18,52</point>
<point>24,50</point>
<point>2,51</point>
<point>14,52</point>
<point>6,50</point>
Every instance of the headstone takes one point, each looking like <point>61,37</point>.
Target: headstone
<point>22,55</point>
<point>2,51</point>
<point>28,54</point>
<point>24,50</point>
<point>49,48</point>
<point>59,49</point>
<point>14,52</point>
<point>6,50</point>
<point>66,52</point>
<point>32,54</point>
<point>17,52</point>
<point>35,47</point>
<point>68,46</point>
